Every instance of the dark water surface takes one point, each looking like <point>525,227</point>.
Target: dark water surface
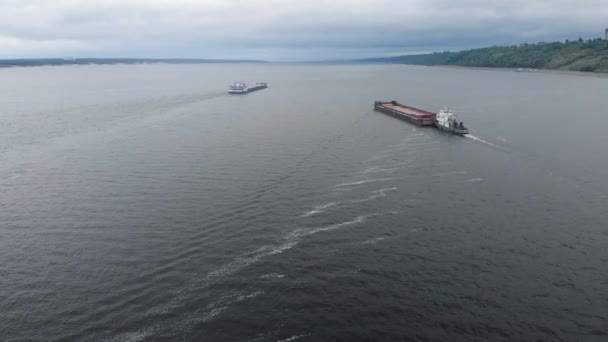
<point>142,203</point>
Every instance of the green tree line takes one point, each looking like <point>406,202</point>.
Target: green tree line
<point>578,55</point>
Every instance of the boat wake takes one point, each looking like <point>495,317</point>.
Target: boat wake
<point>377,170</point>
<point>310,231</point>
<point>373,195</point>
<point>320,209</point>
<point>272,275</point>
<point>292,338</point>
<point>374,241</point>
<point>363,182</point>
<point>470,136</point>
<point>212,310</point>
<point>448,173</point>
<point>201,316</point>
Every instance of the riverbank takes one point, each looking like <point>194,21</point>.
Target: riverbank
<point>582,56</point>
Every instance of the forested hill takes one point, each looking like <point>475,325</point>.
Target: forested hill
<point>590,55</point>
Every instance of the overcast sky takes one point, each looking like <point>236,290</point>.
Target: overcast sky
<point>285,29</point>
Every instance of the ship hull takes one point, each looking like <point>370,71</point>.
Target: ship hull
<point>256,88</point>
<point>405,113</point>
<point>456,131</point>
<point>248,90</point>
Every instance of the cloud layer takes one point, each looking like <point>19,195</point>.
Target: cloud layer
<point>284,29</point>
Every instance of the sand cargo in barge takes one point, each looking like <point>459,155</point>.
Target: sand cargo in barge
<point>414,115</point>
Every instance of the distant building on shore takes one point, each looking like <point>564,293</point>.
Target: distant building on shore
<point>606,36</point>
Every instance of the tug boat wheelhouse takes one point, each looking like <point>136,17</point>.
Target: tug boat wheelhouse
<point>238,88</point>
<point>446,121</point>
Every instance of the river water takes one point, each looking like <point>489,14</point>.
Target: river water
<point>143,203</point>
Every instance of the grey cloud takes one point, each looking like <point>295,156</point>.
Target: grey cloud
<point>275,29</point>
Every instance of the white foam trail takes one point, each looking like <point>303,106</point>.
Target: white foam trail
<point>290,240</point>
<point>228,269</point>
<point>221,305</point>
<point>306,232</point>
<point>187,323</point>
<point>374,195</point>
<point>132,336</point>
<point>363,182</point>
<point>370,169</point>
<point>449,173</point>
<point>479,140</point>
<point>214,309</point>
<point>376,170</point>
<point>374,240</point>
<point>320,209</point>
<point>382,192</point>
<point>272,275</point>
<point>475,180</point>
<point>292,338</point>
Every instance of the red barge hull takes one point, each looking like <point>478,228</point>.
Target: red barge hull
<point>410,114</point>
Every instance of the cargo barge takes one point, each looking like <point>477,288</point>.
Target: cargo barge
<point>410,114</point>
<point>242,88</point>
<point>445,120</point>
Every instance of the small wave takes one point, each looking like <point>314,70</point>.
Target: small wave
<point>306,232</point>
<point>320,209</point>
<point>283,248</point>
<point>479,140</point>
<point>363,182</point>
<point>10,178</point>
<point>475,180</point>
<point>449,173</point>
<point>377,170</point>
<point>187,323</point>
<point>212,310</point>
<point>272,275</point>
<point>374,240</point>
<point>292,338</point>
<point>383,191</point>
<point>374,195</point>
<point>289,241</point>
<point>132,336</point>
<point>228,269</point>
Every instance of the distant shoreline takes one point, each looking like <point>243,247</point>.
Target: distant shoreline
<point>538,71</point>
<point>34,62</point>
<point>590,56</point>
